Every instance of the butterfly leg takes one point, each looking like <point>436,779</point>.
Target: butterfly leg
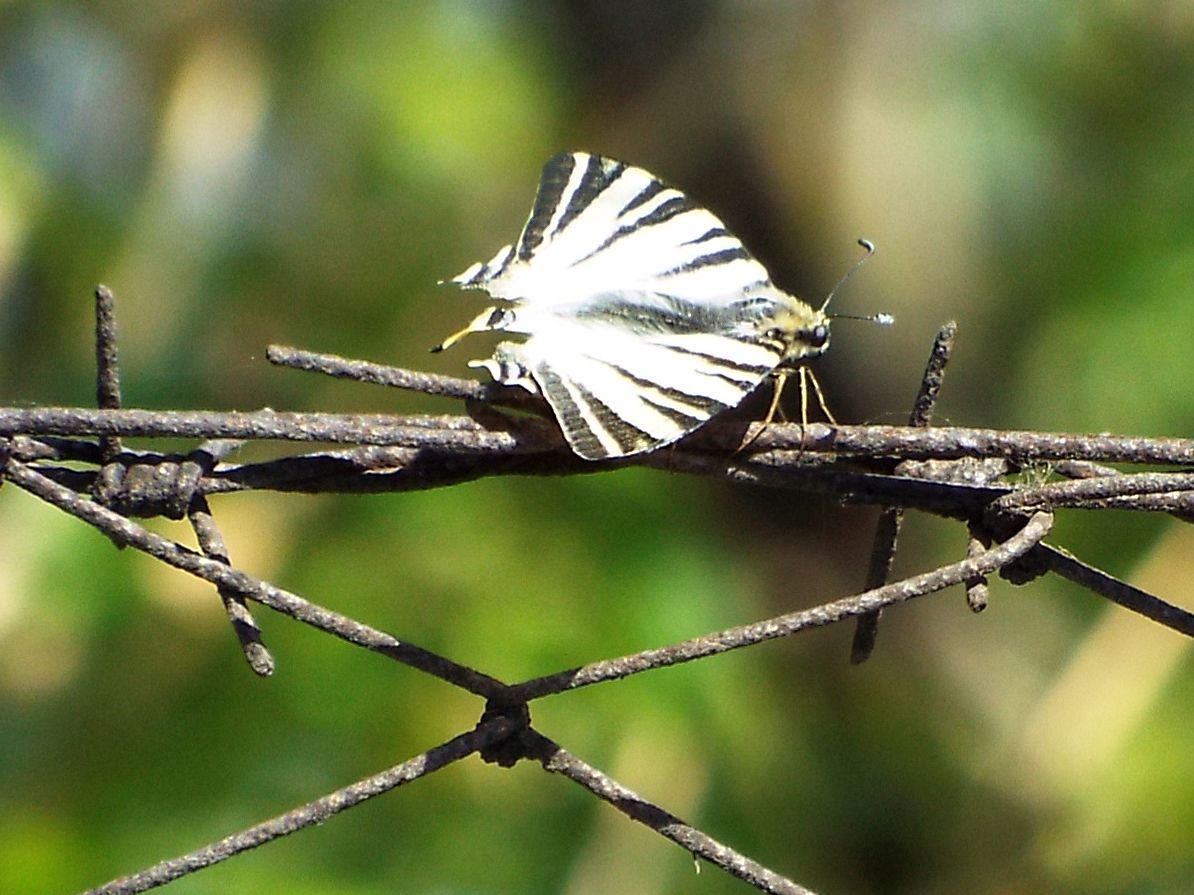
<point>806,379</point>
<point>780,376</point>
<point>777,392</point>
<point>808,382</point>
<point>489,319</point>
<point>507,367</point>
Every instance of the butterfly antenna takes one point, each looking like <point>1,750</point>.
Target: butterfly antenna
<point>870,250</point>
<point>881,319</point>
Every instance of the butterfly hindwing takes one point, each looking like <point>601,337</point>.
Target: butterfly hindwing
<point>617,392</point>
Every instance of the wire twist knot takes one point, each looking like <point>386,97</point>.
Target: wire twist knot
<point>141,490</point>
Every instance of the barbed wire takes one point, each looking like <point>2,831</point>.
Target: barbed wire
<point>958,473</point>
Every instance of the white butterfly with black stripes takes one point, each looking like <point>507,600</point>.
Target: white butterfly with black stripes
<point>643,315</point>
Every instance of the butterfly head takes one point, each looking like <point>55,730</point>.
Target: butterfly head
<point>801,331</point>
<point>804,331</point>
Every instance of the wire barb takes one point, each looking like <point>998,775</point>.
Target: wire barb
<point>107,364</point>
<point>887,531</point>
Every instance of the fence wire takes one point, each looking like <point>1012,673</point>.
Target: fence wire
<point>968,475</point>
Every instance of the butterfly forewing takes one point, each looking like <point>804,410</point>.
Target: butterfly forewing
<point>644,316</point>
<point>599,225</point>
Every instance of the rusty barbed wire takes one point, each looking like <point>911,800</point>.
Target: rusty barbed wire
<point>961,473</point>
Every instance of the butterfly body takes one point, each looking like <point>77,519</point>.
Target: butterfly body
<point>643,316</point>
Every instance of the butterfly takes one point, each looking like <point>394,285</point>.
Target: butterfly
<point>643,315</point>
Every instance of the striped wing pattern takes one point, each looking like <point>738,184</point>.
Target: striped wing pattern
<point>601,226</point>
<point>643,315</point>
<point>616,393</point>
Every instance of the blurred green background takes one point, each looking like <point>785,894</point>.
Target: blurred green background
<point>304,173</point>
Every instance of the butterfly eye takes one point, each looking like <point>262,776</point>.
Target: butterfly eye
<point>818,336</point>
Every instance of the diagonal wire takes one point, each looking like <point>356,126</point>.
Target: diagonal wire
<point>1065,564</point>
<point>558,760</point>
<point>311,814</point>
<point>127,532</point>
<point>992,560</point>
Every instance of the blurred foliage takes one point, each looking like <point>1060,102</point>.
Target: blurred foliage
<point>262,172</point>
